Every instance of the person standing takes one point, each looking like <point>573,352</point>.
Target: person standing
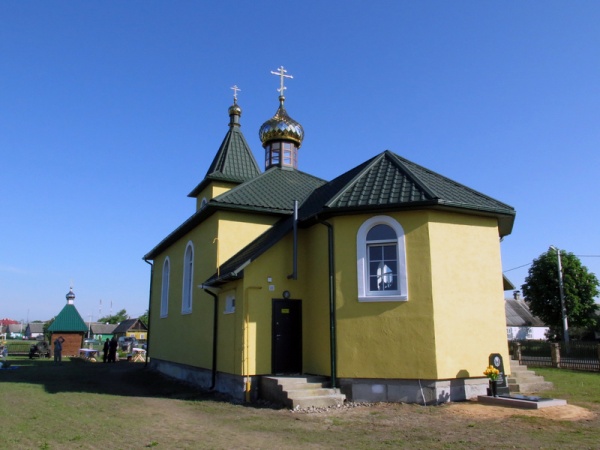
<point>112,350</point>
<point>106,349</point>
<point>58,342</point>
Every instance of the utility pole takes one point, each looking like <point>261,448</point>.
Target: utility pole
<point>563,308</point>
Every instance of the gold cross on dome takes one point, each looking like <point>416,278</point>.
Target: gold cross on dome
<point>282,74</point>
<point>235,91</point>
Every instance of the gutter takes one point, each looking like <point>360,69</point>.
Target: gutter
<point>215,330</point>
<point>332,320</point>
<point>294,274</point>
<point>149,310</point>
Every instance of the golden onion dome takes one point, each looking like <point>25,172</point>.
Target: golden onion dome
<point>281,127</point>
<point>235,109</point>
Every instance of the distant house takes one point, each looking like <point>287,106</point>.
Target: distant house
<point>34,330</point>
<point>70,326</point>
<point>15,330</point>
<point>520,322</point>
<point>4,323</point>
<point>132,328</point>
<point>102,331</point>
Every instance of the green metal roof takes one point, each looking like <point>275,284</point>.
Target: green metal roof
<point>385,182</point>
<point>68,320</point>
<point>389,181</point>
<point>234,162</point>
<point>274,190</point>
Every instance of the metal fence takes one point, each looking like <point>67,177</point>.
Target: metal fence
<point>576,355</point>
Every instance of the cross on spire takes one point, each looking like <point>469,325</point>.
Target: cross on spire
<point>235,91</point>
<point>282,74</point>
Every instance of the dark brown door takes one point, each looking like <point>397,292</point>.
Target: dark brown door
<point>287,337</point>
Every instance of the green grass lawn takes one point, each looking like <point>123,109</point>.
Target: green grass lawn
<point>126,406</point>
<point>576,387</point>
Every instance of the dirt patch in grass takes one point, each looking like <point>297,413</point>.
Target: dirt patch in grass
<point>487,412</point>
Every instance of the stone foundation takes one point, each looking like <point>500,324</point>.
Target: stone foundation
<point>423,392</point>
<point>233,385</point>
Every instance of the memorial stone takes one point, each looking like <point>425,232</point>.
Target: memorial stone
<point>502,384</point>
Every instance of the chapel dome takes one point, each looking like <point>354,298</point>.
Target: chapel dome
<point>281,127</point>
<point>70,296</point>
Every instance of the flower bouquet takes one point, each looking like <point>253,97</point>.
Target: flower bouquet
<point>492,373</point>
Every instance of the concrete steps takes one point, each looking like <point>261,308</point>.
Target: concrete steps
<point>300,391</point>
<point>525,381</point>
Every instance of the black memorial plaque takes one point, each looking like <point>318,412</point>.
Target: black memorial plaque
<point>497,362</point>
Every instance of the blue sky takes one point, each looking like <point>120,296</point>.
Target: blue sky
<point>111,112</point>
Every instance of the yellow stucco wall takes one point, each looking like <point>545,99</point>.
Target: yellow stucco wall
<point>469,314</point>
<point>455,300</point>
<point>452,321</point>
<point>187,338</point>
<point>213,190</point>
<point>230,338</point>
<point>313,275</point>
<point>264,280</point>
<point>385,339</point>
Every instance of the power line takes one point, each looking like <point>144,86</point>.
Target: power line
<point>528,264</point>
<point>515,268</point>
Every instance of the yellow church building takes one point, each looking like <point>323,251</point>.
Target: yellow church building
<point>386,282</point>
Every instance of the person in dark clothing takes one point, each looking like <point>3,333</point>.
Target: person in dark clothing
<point>112,350</point>
<point>58,348</point>
<point>106,348</point>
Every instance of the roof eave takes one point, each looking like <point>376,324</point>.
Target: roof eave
<point>210,179</point>
<point>198,217</point>
<point>505,219</point>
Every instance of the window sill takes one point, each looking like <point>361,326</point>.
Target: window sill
<point>384,298</point>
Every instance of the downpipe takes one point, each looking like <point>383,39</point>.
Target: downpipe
<point>149,311</point>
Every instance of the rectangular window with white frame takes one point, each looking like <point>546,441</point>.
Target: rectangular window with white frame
<point>230,303</point>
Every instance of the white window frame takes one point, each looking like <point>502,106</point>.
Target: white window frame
<point>164,293</point>
<point>364,294</point>
<point>229,303</point>
<point>188,279</point>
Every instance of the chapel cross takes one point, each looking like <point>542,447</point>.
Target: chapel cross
<point>235,91</point>
<point>282,74</point>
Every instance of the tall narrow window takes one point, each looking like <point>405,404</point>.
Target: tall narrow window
<point>188,279</point>
<point>381,260</point>
<point>164,296</point>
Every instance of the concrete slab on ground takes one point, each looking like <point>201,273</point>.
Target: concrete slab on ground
<point>522,401</point>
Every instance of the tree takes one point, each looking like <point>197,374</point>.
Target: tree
<point>144,318</point>
<point>542,291</point>
<point>48,334</point>
<point>116,318</point>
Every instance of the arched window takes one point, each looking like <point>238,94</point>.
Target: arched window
<point>164,295</point>
<point>381,264</point>
<point>188,279</point>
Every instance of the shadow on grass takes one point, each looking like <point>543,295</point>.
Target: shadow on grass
<point>122,378</point>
